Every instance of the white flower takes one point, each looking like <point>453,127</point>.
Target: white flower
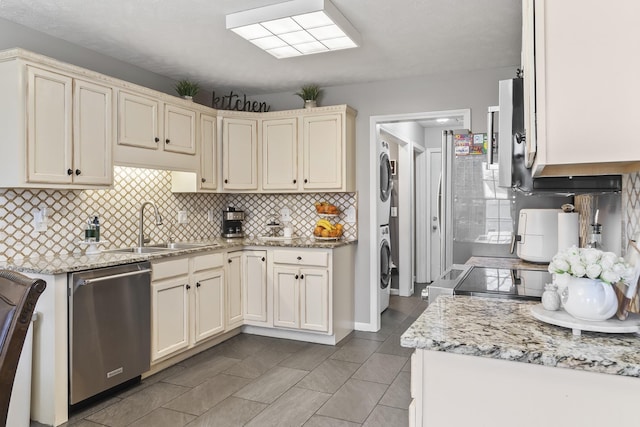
<point>609,277</point>
<point>619,269</point>
<point>593,271</point>
<point>591,256</point>
<point>574,259</point>
<point>573,250</point>
<point>562,265</point>
<point>578,269</point>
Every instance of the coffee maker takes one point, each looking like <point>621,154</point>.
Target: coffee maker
<point>232,223</point>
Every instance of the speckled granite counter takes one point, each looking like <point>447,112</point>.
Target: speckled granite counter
<point>66,263</point>
<point>510,263</point>
<point>506,330</point>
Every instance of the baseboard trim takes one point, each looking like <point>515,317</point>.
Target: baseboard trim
<point>365,327</point>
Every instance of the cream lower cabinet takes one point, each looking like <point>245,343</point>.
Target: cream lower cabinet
<point>187,302</point>
<point>254,287</point>
<point>234,289</point>
<point>301,293</point>
<point>170,307</point>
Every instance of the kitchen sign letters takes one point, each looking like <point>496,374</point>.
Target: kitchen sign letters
<point>234,102</point>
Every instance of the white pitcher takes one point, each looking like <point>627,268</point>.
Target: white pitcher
<point>589,299</point>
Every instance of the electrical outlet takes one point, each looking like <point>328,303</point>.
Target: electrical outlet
<point>210,214</point>
<point>182,217</point>
<point>394,211</point>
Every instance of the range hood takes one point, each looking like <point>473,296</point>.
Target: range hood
<point>571,185</point>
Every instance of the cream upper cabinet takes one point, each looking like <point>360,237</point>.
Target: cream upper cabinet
<point>254,287</point>
<point>234,289</point>
<point>280,154</point>
<point>586,85</point>
<point>138,124</point>
<point>323,159</point>
<point>208,153</point>
<point>49,127</point>
<point>239,154</point>
<point>179,129</point>
<point>68,129</point>
<point>92,133</point>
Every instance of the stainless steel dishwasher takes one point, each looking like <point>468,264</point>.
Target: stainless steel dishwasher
<point>109,328</point>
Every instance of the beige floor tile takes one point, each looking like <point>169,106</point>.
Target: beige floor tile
<point>384,416</point>
<point>398,394</point>
<point>329,376</point>
<point>197,374</point>
<point>200,399</point>
<point>356,350</point>
<point>392,346</point>
<point>271,385</point>
<point>293,408</point>
<point>162,417</point>
<point>257,364</point>
<point>231,412</point>
<point>138,405</point>
<point>380,368</point>
<point>354,401</point>
<point>309,358</point>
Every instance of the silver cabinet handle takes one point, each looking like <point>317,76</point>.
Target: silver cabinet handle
<point>113,276</point>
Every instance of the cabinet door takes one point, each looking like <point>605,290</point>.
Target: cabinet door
<point>208,153</point>
<point>179,130</point>
<point>234,289</point>
<point>286,297</point>
<point>255,287</point>
<point>239,154</point>
<point>209,304</point>
<point>49,127</point>
<point>138,121</point>
<point>169,313</point>
<point>314,300</point>
<point>92,133</point>
<point>279,154</point>
<point>322,152</point>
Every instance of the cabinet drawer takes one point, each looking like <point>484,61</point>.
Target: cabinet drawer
<point>171,268</point>
<point>208,261</point>
<point>318,259</point>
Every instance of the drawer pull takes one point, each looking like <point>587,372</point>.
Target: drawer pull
<point>299,258</point>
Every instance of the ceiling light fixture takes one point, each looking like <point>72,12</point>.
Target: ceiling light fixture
<point>294,28</point>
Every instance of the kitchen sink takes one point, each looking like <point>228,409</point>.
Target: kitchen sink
<point>138,250</point>
<point>178,245</point>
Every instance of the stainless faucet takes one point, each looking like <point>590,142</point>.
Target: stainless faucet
<point>141,239</point>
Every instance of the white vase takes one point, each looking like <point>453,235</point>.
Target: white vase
<point>187,97</point>
<point>550,297</point>
<point>589,299</point>
<point>310,103</point>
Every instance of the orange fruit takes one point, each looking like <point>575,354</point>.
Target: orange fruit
<point>325,233</point>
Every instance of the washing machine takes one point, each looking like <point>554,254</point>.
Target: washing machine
<point>385,183</point>
<point>385,268</point>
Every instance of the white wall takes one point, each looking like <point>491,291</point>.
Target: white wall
<point>14,35</point>
<point>475,90</point>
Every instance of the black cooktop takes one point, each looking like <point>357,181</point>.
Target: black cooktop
<point>503,283</point>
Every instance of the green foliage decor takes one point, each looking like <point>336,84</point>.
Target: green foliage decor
<point>187,88</point>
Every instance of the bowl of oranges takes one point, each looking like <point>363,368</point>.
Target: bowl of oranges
<point>325,208</point>
<point>324,230</point>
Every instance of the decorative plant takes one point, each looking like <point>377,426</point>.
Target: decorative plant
<point>309,92</point>
<point>187,88</point>
<point>592,263</point>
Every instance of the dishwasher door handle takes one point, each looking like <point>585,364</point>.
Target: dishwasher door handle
<point>113,276</point>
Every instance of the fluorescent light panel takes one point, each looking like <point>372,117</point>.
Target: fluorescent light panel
<point>294,28</point>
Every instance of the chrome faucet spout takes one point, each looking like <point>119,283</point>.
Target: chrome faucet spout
<point>141,239</point>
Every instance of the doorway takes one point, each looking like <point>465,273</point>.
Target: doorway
<point>414,210</point>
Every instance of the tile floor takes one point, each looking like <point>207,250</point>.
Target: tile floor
<point>258,381</point>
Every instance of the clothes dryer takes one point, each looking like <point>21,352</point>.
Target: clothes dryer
<point>385,183</point>
<point>386,264</point>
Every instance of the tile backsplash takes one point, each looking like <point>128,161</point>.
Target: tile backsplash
<point>118,211</point>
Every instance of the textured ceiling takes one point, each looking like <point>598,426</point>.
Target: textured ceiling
<point>188,39</point>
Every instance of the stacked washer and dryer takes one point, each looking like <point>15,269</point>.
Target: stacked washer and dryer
<point>384,213</point>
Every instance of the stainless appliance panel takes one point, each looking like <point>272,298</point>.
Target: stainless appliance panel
<point>109,328</point>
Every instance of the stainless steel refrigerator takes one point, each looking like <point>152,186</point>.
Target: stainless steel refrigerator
<point>477,217</point>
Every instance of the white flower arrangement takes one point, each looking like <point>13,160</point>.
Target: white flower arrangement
<point>592,263</point>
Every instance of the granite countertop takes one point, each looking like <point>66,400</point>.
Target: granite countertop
<point>510,263</point>
<point>67,263</point>
<point>506,330</point>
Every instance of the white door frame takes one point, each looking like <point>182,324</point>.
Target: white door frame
<point>374,267</point>
<point>429,235</point>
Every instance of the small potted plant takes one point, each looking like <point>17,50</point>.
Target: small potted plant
<point>187,89</point>
<point>309,94</point>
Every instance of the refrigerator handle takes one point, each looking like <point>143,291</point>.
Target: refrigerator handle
<point>490,141</point>
<point>439,218</point>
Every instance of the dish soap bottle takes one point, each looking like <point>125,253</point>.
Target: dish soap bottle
<point>96,226</point>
